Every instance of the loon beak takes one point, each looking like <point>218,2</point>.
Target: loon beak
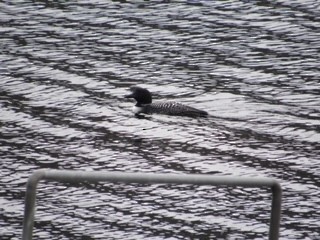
<point>129,95</point>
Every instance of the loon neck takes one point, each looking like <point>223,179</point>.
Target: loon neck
<point>140,104</point>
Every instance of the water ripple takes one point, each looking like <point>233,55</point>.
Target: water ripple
<point>65,67</point>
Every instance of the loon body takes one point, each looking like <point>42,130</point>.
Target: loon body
<point>144,105</point>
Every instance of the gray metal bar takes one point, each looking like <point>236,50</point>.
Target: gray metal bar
<point>196,179</point>
<point>30,203</point>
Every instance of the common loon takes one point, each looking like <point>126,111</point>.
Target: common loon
<point>144,105</point>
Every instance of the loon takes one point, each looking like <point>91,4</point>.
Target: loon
<point>144,105</point>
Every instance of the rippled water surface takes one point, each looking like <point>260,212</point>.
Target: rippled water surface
<point>65,67</point>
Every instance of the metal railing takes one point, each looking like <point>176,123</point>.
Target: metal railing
<point>196,179</point>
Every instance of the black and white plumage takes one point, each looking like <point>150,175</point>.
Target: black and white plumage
<point>144,105</point>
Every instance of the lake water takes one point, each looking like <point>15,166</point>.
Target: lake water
<point>254,66</point>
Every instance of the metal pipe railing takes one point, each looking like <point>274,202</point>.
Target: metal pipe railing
<point>196,179</point>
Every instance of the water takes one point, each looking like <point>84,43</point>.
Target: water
<point>254,67</point>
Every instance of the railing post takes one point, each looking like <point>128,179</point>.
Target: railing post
<point>275,211</point>
<point>30,203</point>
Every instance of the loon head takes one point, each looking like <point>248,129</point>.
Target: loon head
<point>141,95</point>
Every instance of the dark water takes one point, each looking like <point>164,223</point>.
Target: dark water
<point>65,66</point>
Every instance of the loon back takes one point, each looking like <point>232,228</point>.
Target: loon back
<point>172,108</point>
